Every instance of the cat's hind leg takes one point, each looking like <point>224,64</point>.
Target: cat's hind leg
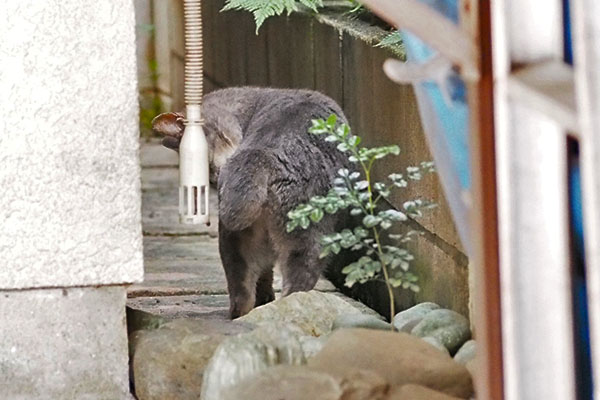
<point>241,279</point>
<point>264,288</point>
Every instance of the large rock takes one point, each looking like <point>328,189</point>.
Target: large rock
<point>436,343</point>
<point>314,312</point>
<point>169,362</point>
<point>302,383</point>
<point>311,345</point>
<point>397,357</point>
<point>417,392</point>
<point>466,353</point>
<point>406,320</point>
<point>289,383</point>
<point>447,326</point>
<point>243,356</point>
<point>360,321</point>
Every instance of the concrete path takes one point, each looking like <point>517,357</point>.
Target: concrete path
<point>183,272</point>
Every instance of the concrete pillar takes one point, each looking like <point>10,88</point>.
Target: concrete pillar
<point>70,223</point>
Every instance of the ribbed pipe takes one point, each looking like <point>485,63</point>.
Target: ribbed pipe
<point>193,52</point>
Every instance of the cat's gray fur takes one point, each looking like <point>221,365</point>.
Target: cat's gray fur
<point>265,163</point>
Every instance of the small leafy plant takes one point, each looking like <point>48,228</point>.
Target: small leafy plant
<point>356,190</point>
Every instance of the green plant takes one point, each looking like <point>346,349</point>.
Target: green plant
<point>150,102</point>
<point>263,9</point>
<point>383,257</point>
<point>393,38</point>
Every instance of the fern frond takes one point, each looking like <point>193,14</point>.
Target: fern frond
<point>263,9</point>
<point>393,38</point>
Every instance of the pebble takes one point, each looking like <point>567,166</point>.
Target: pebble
<point>406,320</point>
<point>448,327</point>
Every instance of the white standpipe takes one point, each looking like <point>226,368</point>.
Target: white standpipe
<point>193,149</point>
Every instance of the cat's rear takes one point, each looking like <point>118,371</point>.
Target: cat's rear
<point>275,166</point>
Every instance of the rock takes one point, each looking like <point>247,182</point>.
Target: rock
<point>466,353</point>
<point>448,327</point>
<point>168,362</point>
<point>471,367</point>
<point>138,319</point>
<point>314,312</point>
<point>417,392</point>
<point>397,357</point>
<point>289,383</point>
<point>360,384</point>
<point>360,321</point>
<point>436,343</point>
<point>312,345</point>
<point>302,383</point>
<point>406,320</point>
<point>243,356</point>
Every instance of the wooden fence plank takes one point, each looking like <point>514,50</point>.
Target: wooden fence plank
<point>290,53</point>
<point>328,62</point>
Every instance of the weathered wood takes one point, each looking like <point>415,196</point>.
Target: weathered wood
<point>226,46</point>
<point>586,39</point>
<point>210,41</point>
<point>160,14</point>
<point>532,189</point>
<point>290,52</point>
<point>447,38</point>
<point>549,88</point>
<point>328,62</point>
<point>144,44</point>
<point>484,278</point>
<point>177,65</point>
<point>233,53</point>
<point>301,53</point>
<point>369,95</point>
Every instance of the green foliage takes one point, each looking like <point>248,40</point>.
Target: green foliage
<point>150,102</point>
<point>263,9</point>
<point>356,190</point>
<point>393,41</point>
<point>394,38</point>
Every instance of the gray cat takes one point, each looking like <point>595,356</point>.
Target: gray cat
<point>265,163</point>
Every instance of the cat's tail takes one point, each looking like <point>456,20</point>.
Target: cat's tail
<point>243,188</point>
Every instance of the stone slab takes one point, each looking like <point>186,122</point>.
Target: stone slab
<point>178,265</point>
<point>160,214</point>
<point>160,194</point>
<point>64,344</point>
<point>153,154</point>
<point>205,307</point>
<point>70,204</point>
<point>185,265</point>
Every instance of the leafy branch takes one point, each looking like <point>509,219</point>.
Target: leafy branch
<point>263,9</point>
<point>355,189</point>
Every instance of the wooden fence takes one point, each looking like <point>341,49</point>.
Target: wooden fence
<point>303,52</point>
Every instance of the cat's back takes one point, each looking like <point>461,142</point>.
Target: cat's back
<point>282,117</point>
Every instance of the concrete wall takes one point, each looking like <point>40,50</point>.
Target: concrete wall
<point>70,204</point>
